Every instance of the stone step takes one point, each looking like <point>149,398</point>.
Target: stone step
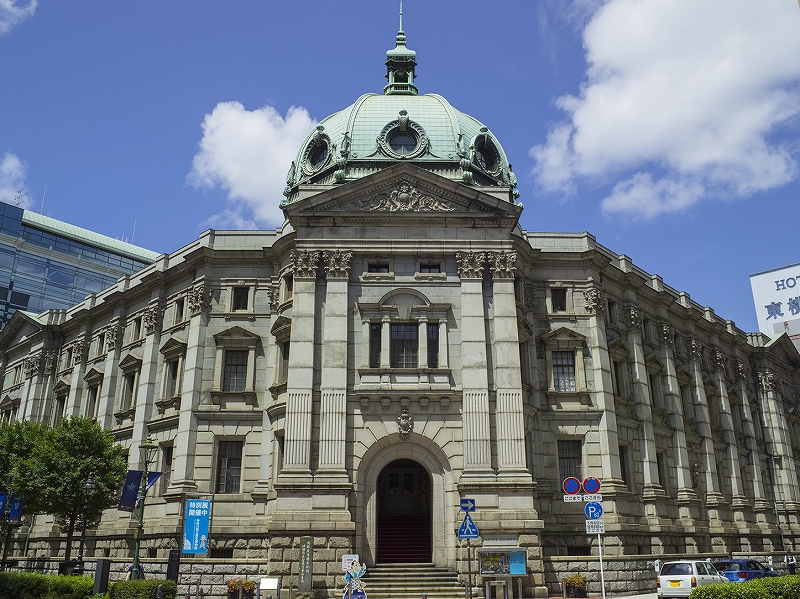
<point>412,581</point>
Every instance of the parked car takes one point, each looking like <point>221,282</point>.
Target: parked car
<point>678,578</point>
<point>739,570</point>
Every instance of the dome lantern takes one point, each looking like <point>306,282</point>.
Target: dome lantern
<point>401,64</point>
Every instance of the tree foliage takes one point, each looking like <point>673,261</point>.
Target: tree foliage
<point>17,443</point>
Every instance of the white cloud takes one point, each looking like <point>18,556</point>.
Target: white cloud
<point>11,13</point>
<point>682,101</point>
<point>12,180</point>
<point>247,154</point>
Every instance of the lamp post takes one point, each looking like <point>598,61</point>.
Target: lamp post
<point>148,451</point>
<point>88,490</point>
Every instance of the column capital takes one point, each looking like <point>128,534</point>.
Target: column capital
<point>502,264</point>
<point>667,334</point>
<point>199,299</point>
<point>696,348</point>
<point>337,264</point>
<point>635,321</point>
<point>720,359</point>
<point>470,264</point>
<point>305,263</point>
<point>766,379</point>
<point>594,301</point>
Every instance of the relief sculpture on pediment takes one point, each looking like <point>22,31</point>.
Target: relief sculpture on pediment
<point>404,198</point>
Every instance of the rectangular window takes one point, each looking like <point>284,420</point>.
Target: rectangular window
<point>101,344</point>
<point>68,361</point>
<point>564,370</point>
<point>569,459</point>
<point>171,388</point>
<point>686,399</point>
<point>404,346</point>
<point>229,466</point>
<point>433,345</point>
<point>179,304</point>
<point>647,330</point>
<point>559,297</point>
<point>663,478</point>
<point>430,268</point>
<point>378,268</point>
<point>623,466</point>
<point>655,391</point>
<point>137,329</point>
<point>375,345</point>
<point>616,379</point>
<point>167,452</point>
<point>240,295</point>
<point>91,402</point>
<point>612,313</point>
<point>288,288</point>
<point>235,371</point>
<point>128,391</point>
<point>58,414</point>
<point>284,371</point>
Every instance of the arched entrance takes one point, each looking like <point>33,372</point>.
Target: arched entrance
<point>404,514</point>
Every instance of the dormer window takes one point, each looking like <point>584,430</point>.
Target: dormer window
<point>486,154</point>
<point>317,153</point>
<point>403,143</point>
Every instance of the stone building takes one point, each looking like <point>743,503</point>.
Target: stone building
<point>401,343</point>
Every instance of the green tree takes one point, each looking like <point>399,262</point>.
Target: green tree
<point>59,465</point>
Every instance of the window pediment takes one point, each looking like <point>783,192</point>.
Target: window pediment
<point>61,388</point>
<point>619,349</point>
<point>404,297</point>
<point>130,363</point>
<point>563,338</point>
<point>173,348</point>
<point>9,403</point>
<point>653,363</point>
<point>93,377</point>
<point>236,337</point>
<point>282,328</point>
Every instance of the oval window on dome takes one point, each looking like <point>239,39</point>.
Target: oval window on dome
<point>403,143</point>
<point>317,154</point>
<point>486,155</point>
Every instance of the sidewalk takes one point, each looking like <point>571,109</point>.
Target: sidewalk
<point>612,596</point>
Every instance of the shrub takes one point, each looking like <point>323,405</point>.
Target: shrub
<point>576,581</point>
<point>248,586</point>
<point>19,585</point>
<point>784,587</point>
<point>142,589</point>
<point>70,587</point>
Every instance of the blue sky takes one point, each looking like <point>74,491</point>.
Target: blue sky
<point>667,130</point>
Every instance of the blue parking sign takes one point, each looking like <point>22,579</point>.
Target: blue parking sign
<point>198,518</point>
<point>593,510</point>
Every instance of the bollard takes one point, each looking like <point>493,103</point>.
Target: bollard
<point>160,591</point>
<point>563,588</point>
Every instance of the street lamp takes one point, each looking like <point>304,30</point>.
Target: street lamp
<point>148,451</point>
<point>89,488</point>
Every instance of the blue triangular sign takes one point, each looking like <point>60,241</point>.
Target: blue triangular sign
<point>468,530</point>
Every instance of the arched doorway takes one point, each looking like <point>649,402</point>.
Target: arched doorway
<point>404,514</point>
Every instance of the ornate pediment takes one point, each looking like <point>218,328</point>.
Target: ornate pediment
<point>173,347</point>
<point>405,197</point>
<point>93,377</point>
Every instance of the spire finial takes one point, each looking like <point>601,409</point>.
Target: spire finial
<point>401,16</point>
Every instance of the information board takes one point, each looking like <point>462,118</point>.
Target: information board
<point>503,563</point>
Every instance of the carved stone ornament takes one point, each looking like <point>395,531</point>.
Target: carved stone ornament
<point>667,335</point>
<point>405,424</point>
<point>32,365</point>
<point>199,300</point>
<point>80,351</point>
<point>470,264</point>
<point>719,360</point>
<point>337,264</point>
<point>594,301</point>
<point>113,337</point>
<point>50,358</point>
<point>305,263</point>
<point>635,320</point>
<point>741,369</point>
<point>766,379</point>
<point>404,198</point>
<point>274,296</point>
<point>696,348</point>
<point>152,320</point>
<point>502,264</point>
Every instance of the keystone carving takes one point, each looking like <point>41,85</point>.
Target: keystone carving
<point>337,264</point>
<point>305,263</point>
<point>470,264</point>
<point>594,301</point>
<point>502,264</point>
<point>199,300</point>
<point>404,198</point>
<point>151,319</point>
<point>405,424</point>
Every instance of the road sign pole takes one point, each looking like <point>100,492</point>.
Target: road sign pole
<point>600,552</point>
<point>469,569</point>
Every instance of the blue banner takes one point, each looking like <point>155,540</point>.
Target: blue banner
<point>130,491</point>
<point>3,500</point>
<point>152,477</point>
<point>15,515</point>
<point>198,517</point>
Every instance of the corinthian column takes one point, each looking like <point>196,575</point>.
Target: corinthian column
<point>333,408</point>
<point>507,375</point>
<point>474,378</point>
<point>300,381</point>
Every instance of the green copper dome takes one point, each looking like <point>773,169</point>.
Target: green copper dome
<point>378,132</point>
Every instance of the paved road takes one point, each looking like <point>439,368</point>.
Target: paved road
<point>644,596</point>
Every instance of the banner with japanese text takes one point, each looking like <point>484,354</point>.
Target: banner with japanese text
<point>198,518</point>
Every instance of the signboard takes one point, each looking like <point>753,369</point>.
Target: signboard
<point>467,505</point>
<point>596,497</point>
<point>595,527</point>
<point>591,485</point>
<point>347,561</point>
<point>593,510</point>
<point>130,491</point>
<point>502,563</point>
<point>197,523</point>
<point>500,540</point>
<point>15,511</point>
<point>306,564</point>
<point>468,530</point>
<point>571,486</point>
<point>776,294</point>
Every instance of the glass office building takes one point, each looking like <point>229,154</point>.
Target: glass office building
<point>49,264</point>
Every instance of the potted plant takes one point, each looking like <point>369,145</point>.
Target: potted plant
<point>248,588</point>
<point>575,585</point>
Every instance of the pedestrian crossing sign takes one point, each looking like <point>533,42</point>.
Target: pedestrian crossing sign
<point>468,530</point>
